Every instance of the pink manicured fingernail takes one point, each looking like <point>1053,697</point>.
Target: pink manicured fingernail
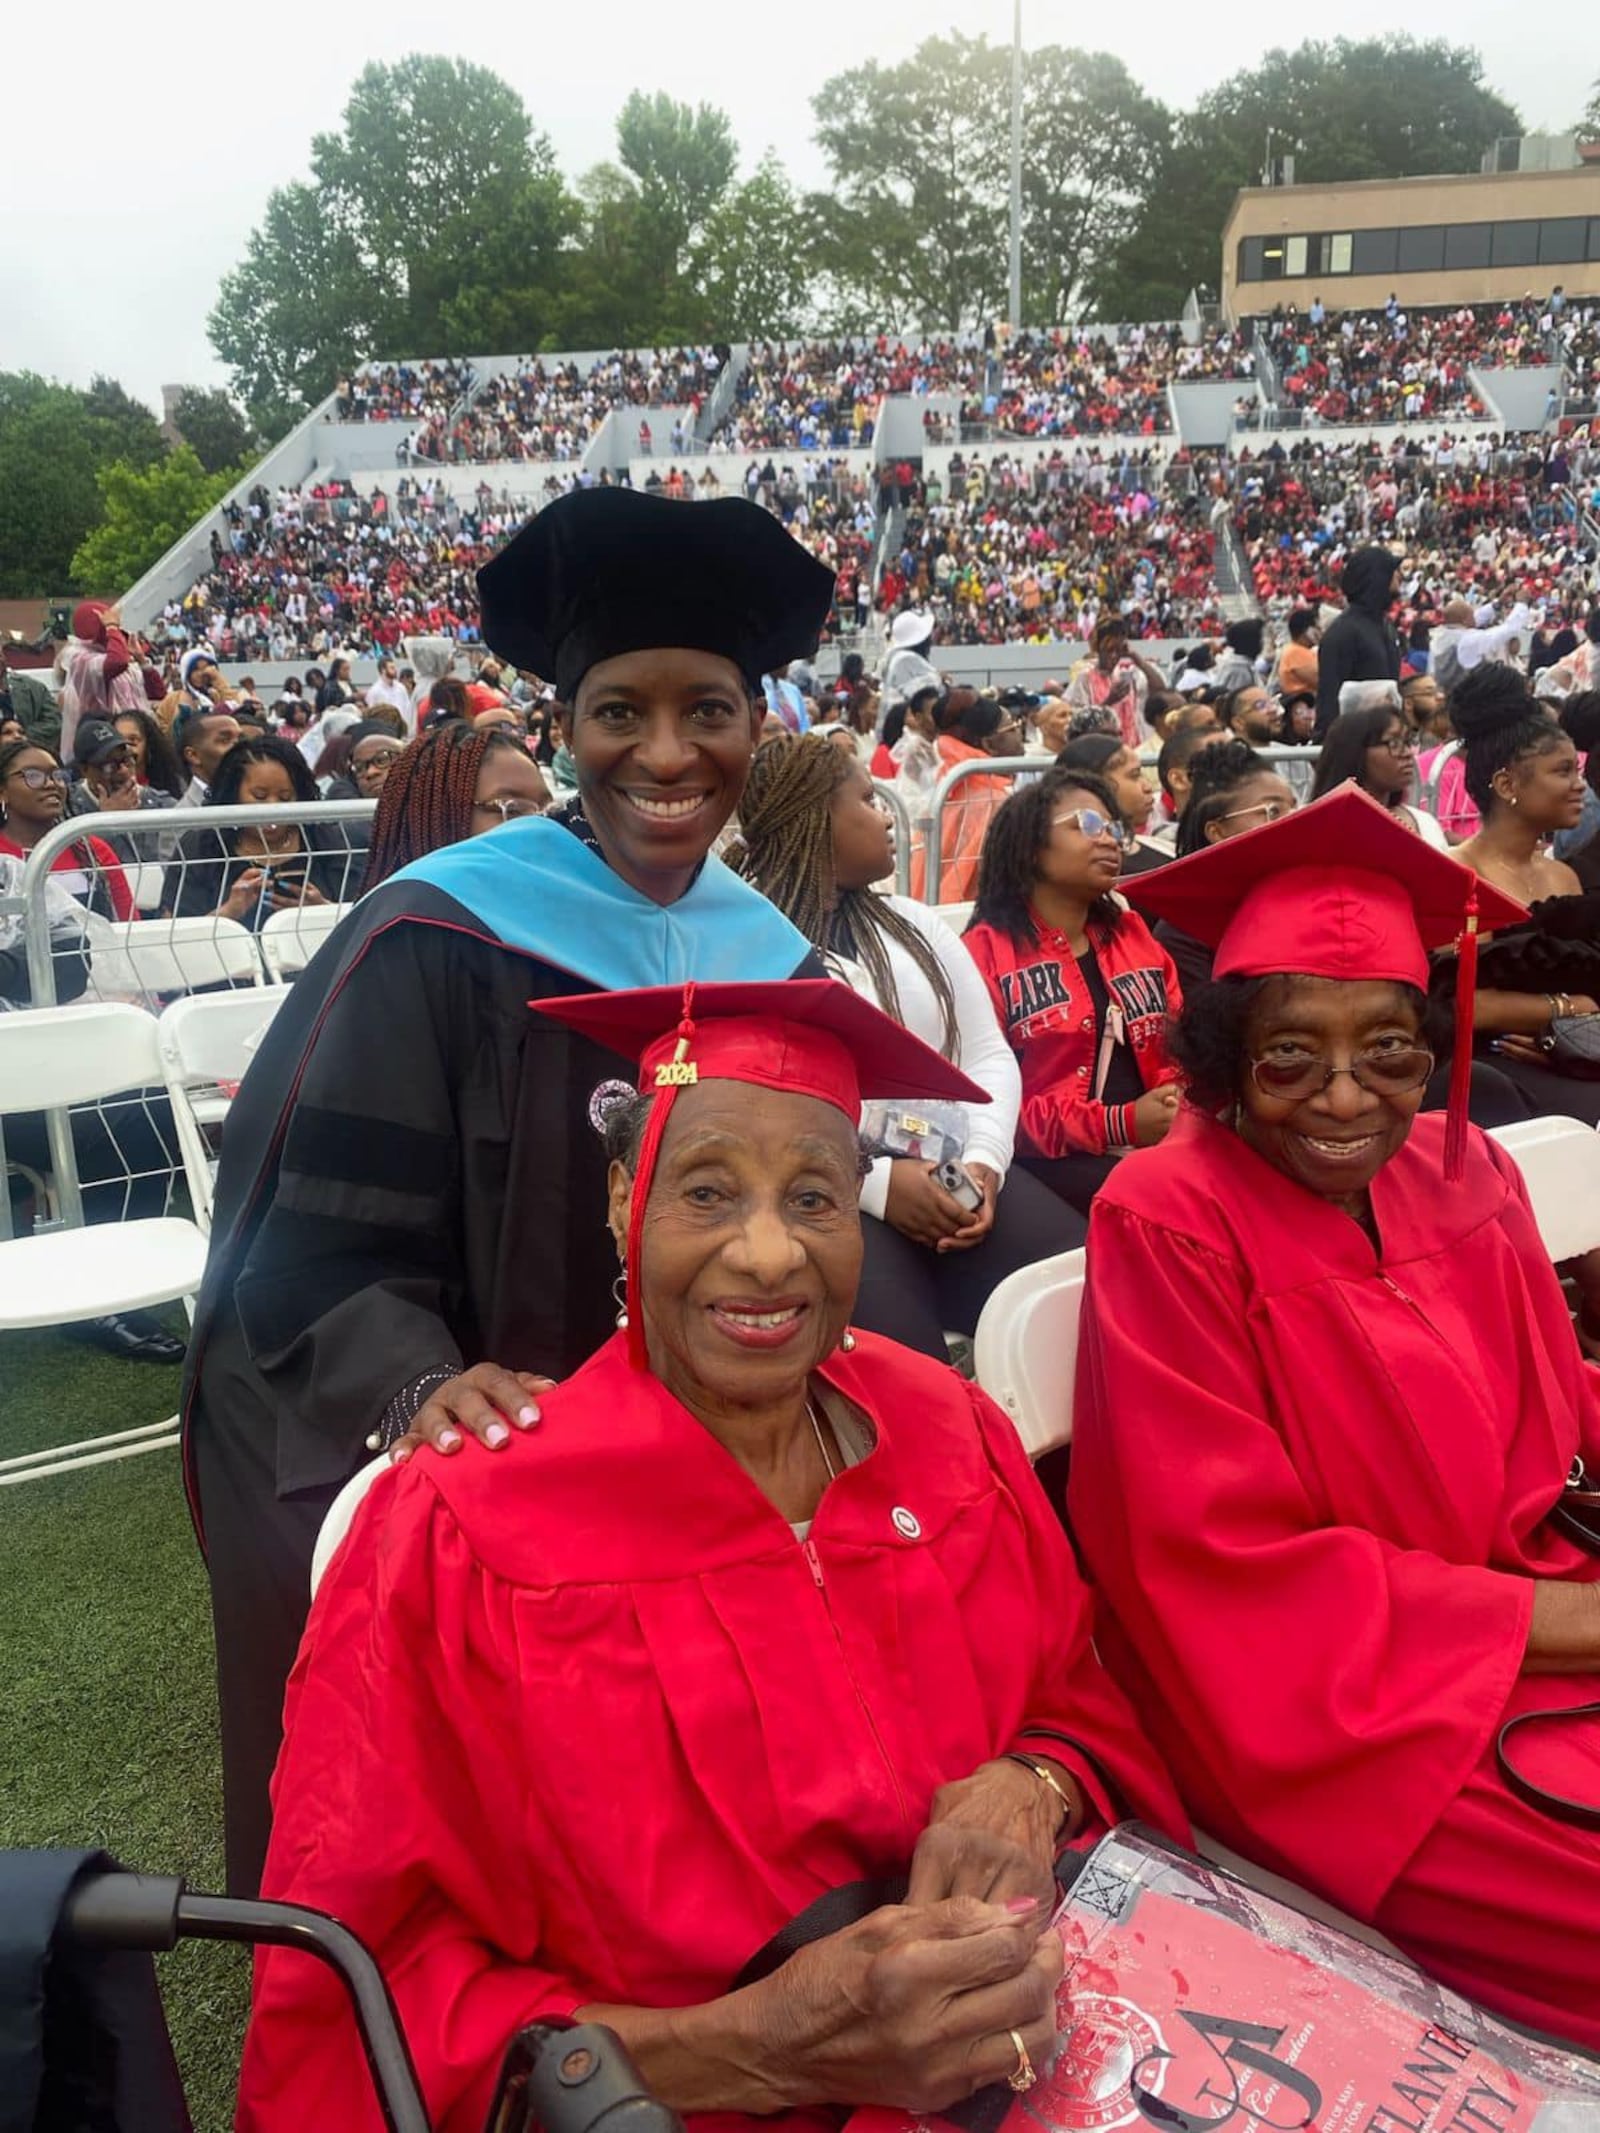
<point>496,1435</point>
<point>447,1441</point>
<point>400,1454</point>
<point>527,1417</point>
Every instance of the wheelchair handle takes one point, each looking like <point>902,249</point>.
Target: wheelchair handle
<point>152,1912</point>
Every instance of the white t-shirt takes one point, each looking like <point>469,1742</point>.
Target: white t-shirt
<point>985,1056</point>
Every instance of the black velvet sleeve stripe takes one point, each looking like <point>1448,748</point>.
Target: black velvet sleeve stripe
<point>359,1150</point>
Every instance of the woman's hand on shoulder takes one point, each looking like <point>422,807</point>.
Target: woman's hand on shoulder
<point>485,1402</point>
<point>913,2007</point>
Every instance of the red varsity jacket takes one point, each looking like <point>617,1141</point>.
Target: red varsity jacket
<point>1045,1010</point>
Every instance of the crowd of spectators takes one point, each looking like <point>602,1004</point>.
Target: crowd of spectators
<point>535,412</point>
<point>301,573</point>
<point>1005,553</point>
<point>1085,384</point>
<point>1481,514</point>
<point>401,392</point>
<point>1398,365</point>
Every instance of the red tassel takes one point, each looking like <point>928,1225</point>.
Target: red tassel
<point>1455,1129</point>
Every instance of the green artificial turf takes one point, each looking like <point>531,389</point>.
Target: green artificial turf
<point>109,1732</point>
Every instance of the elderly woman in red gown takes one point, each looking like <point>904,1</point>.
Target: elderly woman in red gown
<point>765,1607</point>
<point>1329,1394</point>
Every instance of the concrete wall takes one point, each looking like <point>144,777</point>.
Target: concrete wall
<point>1203,411</point>
<point>1408,203</point>
<point>1519,396</point>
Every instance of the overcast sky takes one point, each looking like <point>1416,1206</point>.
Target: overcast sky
<point>125,194</point>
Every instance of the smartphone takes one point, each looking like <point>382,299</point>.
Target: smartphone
<point>962,1187</point>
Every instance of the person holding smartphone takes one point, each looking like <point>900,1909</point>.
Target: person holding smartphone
<point>247,874</point>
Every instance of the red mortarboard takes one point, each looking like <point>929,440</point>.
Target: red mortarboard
<point>802,1036</point>
<point>1340,889</point>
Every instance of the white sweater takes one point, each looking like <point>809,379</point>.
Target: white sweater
<point>985,1058</point>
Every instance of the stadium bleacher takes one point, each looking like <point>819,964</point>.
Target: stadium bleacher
<point>420,468</point>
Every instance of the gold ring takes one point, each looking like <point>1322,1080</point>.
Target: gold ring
<point>1022,2076</point>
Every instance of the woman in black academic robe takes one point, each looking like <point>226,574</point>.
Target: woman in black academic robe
<point>404,1231</point>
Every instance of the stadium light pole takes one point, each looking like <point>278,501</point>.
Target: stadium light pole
<point>1016,165</point>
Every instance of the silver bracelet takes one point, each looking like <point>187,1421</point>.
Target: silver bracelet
<point>407,1404</point>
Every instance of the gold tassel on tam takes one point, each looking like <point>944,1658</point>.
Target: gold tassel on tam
<point>1455,1130</point>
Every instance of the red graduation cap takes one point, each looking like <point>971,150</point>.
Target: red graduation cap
<point>803,1036</point>
<point>1340,889</point>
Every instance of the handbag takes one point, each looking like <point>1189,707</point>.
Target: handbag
<point>1574,1042</point>
<point>1576,1513</point>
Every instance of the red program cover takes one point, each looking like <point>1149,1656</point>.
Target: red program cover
<point>1192,2003</point>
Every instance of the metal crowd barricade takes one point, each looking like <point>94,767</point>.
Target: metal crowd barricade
<point>1012,766</point>
<point>903,831</point>
<point>78,949</point>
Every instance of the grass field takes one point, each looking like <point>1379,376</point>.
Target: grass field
<point>109,1734</point>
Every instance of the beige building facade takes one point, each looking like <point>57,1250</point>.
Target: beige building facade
<point>1427,240</point>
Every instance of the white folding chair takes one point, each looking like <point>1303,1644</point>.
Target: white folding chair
<point>206,1044</point>
<point>175,955</point>
<point>955,916</point>
<point>1026,1349</point>
<point>1560,1162</point>
<point>289,939</point>
<point>336,1522</point>
<point>51,1058</point>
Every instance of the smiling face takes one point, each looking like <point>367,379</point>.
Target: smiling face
<point>863,836</point>
<point>133,733</point>
<point>751,1248</point>
<point>34,795</point>
<point>1335,1140</point>
<point>1547,786</point>
<point>661,742</point>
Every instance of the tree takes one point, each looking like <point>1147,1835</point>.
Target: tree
<point>54,440</point>
<point>1588,127</point>
<point>921,156</point>
<point>682,162</point>
<point>214,429</point>
<point>1386,107</point>
<point>435,197</point>
<point>752,268</point>
<point>145,510</point>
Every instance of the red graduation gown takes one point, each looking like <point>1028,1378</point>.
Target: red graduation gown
<point>582,1721</point>
<point>1311,1481</point>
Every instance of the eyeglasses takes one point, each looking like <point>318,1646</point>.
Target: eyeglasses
<point>509,807</point>
<point>1273,810</point>
<point>37,780</point>
<point>1398,743</point>
<point>1292,1075</point>
<point>380,761</point>
<point>1092,824</point>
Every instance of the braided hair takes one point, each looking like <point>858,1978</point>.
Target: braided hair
<point>785,849</point>
<point>1499,723</point>
<point>427,797</point>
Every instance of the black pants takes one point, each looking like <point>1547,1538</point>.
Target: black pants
<point>258,1555</point>
<point>915,1296</point>
<point>1545,1093</point>
<point>126,1148</point>
<point>1073,1178</point>
<point>1493,1099</point>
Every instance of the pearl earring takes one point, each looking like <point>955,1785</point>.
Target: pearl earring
<point>847,1342</point>
<point>619,1296</point>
